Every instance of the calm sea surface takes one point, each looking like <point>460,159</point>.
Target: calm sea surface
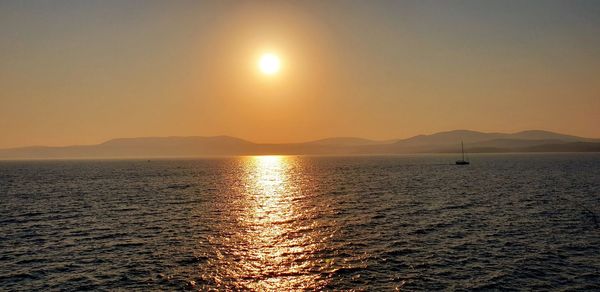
<point>281,223</point>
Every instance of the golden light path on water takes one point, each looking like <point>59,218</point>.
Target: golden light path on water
<point>274,230</point>
<point>271,193</point>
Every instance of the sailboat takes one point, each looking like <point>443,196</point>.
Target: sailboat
<point>462,161</point>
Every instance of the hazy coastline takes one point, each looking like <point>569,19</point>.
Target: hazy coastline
<point>195,146</point>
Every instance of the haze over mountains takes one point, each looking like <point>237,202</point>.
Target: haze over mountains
<point>443,142</point>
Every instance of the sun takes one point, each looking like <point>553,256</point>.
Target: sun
<point>269,64</point>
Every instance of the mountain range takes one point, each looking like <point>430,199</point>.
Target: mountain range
<point>196,146</point>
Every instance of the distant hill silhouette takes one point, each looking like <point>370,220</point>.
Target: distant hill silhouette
<point>443,142</point>
<point>348,141</point>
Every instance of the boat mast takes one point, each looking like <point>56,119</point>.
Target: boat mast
<point>462,147</point>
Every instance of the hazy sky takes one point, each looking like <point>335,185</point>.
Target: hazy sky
<point>81,72</point>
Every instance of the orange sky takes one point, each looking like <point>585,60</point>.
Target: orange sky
<point>82,73</point>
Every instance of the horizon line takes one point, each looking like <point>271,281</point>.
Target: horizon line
<point>391,140</point>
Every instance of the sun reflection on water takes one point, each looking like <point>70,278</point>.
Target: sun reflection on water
<point>273,221</point>
<point>269,189</point>
<point>269,239</point>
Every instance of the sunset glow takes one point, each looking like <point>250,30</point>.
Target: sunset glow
<point>299,145</point>
<point>273,72</point>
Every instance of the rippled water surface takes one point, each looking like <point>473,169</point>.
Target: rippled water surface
<point>291,223</point>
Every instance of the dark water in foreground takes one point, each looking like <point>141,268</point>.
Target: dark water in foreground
<point>288,223</point>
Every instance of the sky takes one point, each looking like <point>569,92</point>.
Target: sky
<point>83,72</point>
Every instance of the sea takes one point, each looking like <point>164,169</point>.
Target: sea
<point>288,223</point>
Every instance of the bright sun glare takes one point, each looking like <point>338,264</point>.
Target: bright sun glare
<point>269,64</point>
